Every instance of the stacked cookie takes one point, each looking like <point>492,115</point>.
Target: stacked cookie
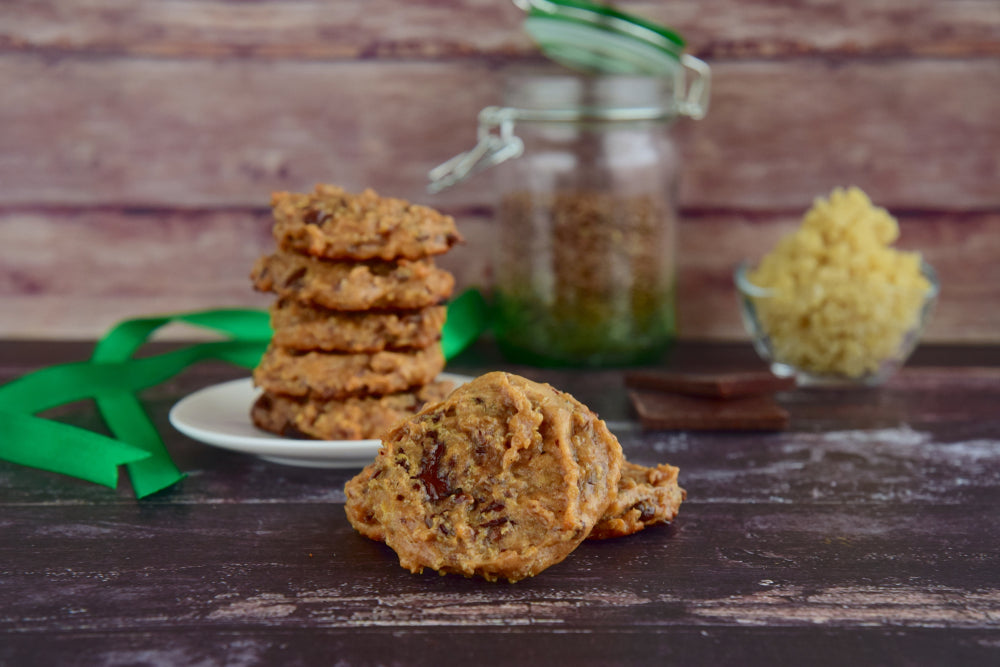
<point>359,313</point>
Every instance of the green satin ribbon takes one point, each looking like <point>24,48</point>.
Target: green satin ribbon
<point>113,376</point>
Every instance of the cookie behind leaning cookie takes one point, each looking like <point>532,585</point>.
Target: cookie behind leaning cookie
<point>502,479</point>
<point>646,497</point>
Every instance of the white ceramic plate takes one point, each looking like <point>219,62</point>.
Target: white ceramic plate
<point>220,416</point>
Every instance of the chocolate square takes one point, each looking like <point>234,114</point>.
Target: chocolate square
<point>665,411</point>
<point>717,385</point>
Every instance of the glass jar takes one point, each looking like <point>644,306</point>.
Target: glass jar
<point>584,263</point>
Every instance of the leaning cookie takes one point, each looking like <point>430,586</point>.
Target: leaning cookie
<point>333,223</point>
<point>327,376</point>
<point>646,496</point>
<point>355,418</point>
<point>502,479</point>
<point>302,326</point>
<point>353,285</point>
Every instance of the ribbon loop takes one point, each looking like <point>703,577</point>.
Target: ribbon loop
<point>113,377</point>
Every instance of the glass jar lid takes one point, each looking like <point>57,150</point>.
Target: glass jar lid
<point>599,39</point>
<point>600,42</point>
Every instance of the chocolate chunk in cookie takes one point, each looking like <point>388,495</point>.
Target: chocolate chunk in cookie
<point>333,223</point>
<point>502,479</point>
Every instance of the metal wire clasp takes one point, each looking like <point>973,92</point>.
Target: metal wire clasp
<point>496,143</point>
<point>693,94</point>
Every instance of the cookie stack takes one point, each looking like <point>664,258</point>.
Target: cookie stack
<point>359,313</point>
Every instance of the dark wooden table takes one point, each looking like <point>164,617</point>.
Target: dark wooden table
<point>867,534</point>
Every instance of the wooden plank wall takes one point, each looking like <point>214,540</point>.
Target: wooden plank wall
<point>140,141</point>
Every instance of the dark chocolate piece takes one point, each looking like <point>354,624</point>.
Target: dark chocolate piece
<point>675,412</point>
<point>718,385</point>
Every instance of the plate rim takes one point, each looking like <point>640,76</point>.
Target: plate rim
<point>265,444</point>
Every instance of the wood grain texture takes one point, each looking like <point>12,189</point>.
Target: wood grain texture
<point>115,264</point>
<point>522,644</point>
<point>182,134</point>
<point>865,535</point>
<point>122,118</point>
<point>310,29</point>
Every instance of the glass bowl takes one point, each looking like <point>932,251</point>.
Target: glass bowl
<point>857,350</point>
